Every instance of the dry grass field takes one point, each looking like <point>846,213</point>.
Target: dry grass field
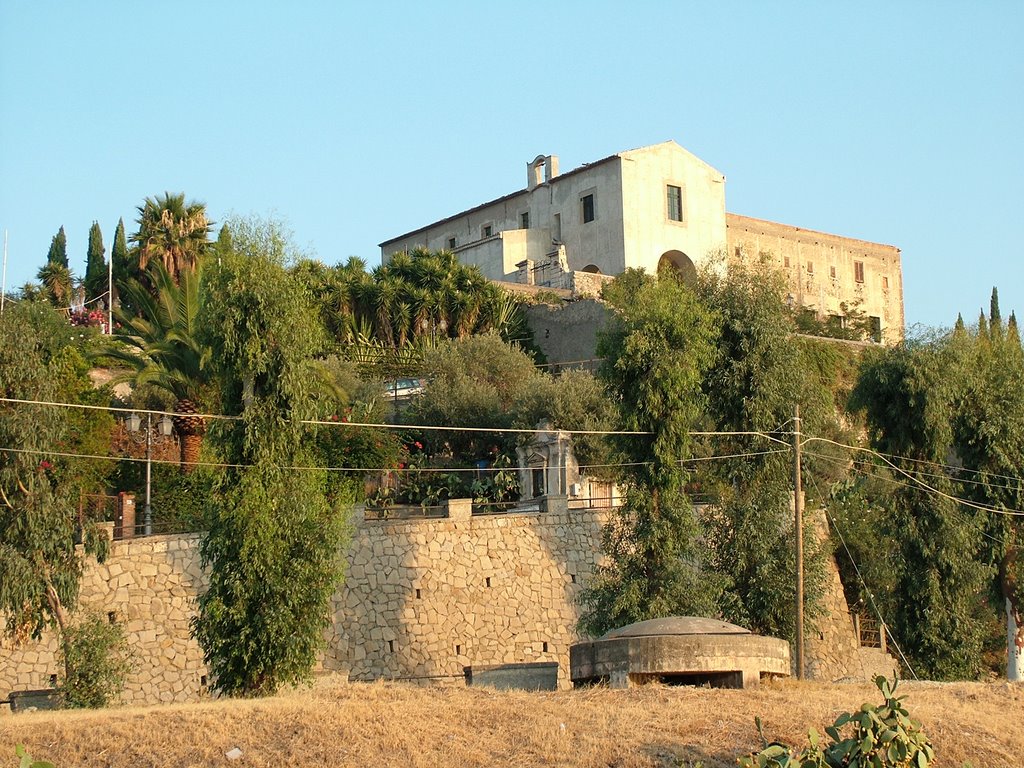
<point>337,724</point>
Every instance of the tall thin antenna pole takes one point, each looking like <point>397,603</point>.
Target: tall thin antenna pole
<point>798,524</point>
<point>3,289</point>
<point>110,293</point>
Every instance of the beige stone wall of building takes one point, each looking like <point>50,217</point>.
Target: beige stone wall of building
<point>649,231</point>
<point>823,271</point>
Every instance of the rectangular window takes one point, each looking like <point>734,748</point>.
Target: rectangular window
<point>875,329</point>
<point>785,262</point>
<point>675,203</point>
<point>858,271</point>
<point>486,230</point>
<point>451,243</point>
<point>885,283</point>
<point>832,272</point>
<point>588,208</point>
<point>810,267</point>
<point>524,220</point>
<point>556,230</point>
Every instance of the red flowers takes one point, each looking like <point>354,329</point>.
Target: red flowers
<point>45,466</point>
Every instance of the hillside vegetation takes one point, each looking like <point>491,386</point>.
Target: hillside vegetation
<point>339,724</point>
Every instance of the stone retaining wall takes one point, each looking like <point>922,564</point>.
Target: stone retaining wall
<point>149,585</point>
<point>422,600</point>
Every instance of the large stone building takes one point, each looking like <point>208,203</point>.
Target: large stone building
<point>651,208</point>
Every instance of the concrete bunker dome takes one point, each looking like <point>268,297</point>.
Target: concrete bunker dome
<point>680,650</point>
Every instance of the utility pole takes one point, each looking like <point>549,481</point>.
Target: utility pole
<point>110,294</point>
<point>798,524</point>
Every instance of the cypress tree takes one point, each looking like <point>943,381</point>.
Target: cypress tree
<point>995,320</point>
<point>119,258</point>
<point>1012,333</point>
<point>58,253</point>
<point>95,265</point>
<point>224,244</point>
<point>960,328</point>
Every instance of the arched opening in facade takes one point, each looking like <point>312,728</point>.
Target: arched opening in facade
<point>592,269</point>
<point>677,263</point>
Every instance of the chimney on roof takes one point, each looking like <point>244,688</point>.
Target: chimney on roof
<point>542,164</point>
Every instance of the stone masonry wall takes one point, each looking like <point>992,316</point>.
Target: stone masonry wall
<point>422,600</point>
<point>832,648</point>
<point>446,593</point>
<point>149,586</point>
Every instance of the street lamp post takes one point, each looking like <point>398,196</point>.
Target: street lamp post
<point>134,425</point>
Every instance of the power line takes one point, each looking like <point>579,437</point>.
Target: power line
<point>398,470</point>
<point>894,481</point>
<point>340,423</point>
<point>871,597</point>
<point>936,491</point>
<point>860,576</point>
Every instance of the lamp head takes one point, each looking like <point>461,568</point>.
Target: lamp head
<point>133,422</point>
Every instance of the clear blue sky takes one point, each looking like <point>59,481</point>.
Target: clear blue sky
<point>895,122</point>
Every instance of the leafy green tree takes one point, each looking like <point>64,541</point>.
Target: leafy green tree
<point>348,397</point>
<point>58,253</point>
<point>988,435</point>
<point>908,393</point>
<point>760,374</point>
<point>273,547</point>
<point>95,266</point>
<point>658,347</point>
<point>39,490</point>
<point>172,231</point>
<point>159,344</point>
<point>479,381</point>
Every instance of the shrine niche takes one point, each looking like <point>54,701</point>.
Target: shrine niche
<point>547,465</point>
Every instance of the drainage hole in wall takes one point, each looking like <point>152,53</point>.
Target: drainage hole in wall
<point>112,617</point>
<point>545,647</point>
<point>574,578</point>
<point>417,594</point>
<point>458,650</point>
<point>391,646</point>
<point>488,580</point>
<point>53,680</point>
<point>202,681</point>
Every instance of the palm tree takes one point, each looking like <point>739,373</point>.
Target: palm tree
<point>58,284</point>
<point>162,349</point>
<point>173,232</point>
